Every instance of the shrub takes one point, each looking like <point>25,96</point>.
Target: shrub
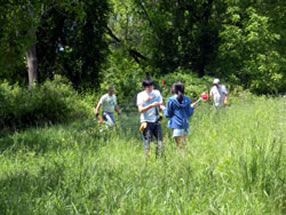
<point>51,102</point>
<point>194,85</point>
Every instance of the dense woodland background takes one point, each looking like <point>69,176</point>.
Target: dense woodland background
<point>57,57</point>
<point>95,42</point>
<point>53,53</point>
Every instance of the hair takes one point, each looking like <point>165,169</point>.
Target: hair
<point>111,87</point>
<point>179,89</point>
<point>147,82</point>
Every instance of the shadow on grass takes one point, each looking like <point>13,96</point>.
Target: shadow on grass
<point>63,136</point>
<point>56,137</point>
<point>24,192</point>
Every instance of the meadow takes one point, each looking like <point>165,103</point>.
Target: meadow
<point>235,163</point>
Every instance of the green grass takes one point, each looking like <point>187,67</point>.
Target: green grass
<point>234,164</point>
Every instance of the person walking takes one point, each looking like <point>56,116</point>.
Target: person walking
<point>219,94</point>
<point>148,103</point>
<point>179,110</point>
<point>109,103</point>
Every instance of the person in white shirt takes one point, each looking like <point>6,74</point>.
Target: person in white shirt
<point>219,94</point>
<point>109,103</point>
<point>148,102</point>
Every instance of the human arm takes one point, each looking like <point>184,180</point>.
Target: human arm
<point>212,93</point>
<point>168,111</point>
<point>96,109</point>
<point>224,91</point>
<point>162,107</point>
<point>195,103</point>
<point>143,109</point>
<point>225,99</point>
<point>191,110</point>
<point>116,106</point>
<point>146,102</point>
<point>117,109</point>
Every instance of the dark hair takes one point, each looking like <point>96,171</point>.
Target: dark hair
<point>147,82</point>
<point>179,89</point>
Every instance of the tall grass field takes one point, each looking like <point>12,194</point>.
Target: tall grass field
<point>234,163</point>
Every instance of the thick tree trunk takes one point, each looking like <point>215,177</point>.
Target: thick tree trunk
<point>32,64</point>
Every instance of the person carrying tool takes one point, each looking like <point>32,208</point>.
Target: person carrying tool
<point>109,103</point>
<point>219,94</point>
<point>148,103</point>
<point>179,110</point>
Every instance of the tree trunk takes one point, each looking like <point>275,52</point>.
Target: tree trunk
<point>31,53</point>
<point>32,64</point>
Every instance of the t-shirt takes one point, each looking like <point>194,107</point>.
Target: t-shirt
<point>151,115</point>
<point>218,93</point>
<point>108,102</point>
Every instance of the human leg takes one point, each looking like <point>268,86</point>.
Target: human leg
<point>146,136</point>
<point>108,118</point>
<point>157,133</point>
<point>180,138</point>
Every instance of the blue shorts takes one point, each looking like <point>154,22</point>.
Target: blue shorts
<point>177,132</point>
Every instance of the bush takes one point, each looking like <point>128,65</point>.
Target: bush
<point>51,102</point>
<point>194,85</point>
<point>128,84</point>
<point>126,76</point>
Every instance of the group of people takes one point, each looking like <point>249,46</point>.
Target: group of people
<point>178,110</point>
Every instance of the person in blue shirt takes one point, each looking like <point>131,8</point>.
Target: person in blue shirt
<point>179,110</point>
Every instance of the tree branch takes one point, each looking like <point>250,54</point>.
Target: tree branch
<point>132,52</point>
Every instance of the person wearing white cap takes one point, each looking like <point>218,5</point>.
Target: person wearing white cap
<point>219,94</point>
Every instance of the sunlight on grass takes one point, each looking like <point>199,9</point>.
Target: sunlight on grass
<point>234,164</point>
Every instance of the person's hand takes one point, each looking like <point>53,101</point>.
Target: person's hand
<point>96,115</point>
<point>155,104</point>
<point>162,107</point>
<point>99,120</point>
<point>143,126</point>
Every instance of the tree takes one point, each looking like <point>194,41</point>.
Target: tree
<point>241,41</point>
<point>73,43</point>
<point>64,29</point>
<point>24,18</point>
<point>249,48</point>
<point>170,34</point>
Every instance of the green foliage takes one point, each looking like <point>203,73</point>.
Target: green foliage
<point>51,102</point>
<point>125,75</point>
<point>127,78</point>
<point>22,20</point>
<point>249,50</point>
<point>237,41</point>
<point>83,47</point>
<point>194,86</point>
<point>69,37</point>
<point>169,34</point>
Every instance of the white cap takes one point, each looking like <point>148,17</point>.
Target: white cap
<point>216,81</point>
